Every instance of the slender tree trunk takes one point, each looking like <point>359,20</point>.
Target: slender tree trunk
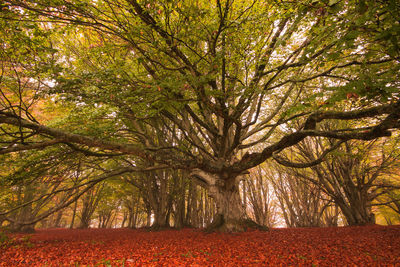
<point>130,219</point>
<point>58,219</point>
<point>208,210</point>
<point>188,215</point>
<point>148,218</point>
<point>111,219</point>
<point>244,199</point>
<point>179,215</point>
<point>71,226</point>
<point>124,219</point>
<point>180,212</point>
<point>25,214</point>
<point>193,205</point>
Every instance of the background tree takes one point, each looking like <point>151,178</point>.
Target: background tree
<point>90,201</point>
<point>354,176</point>
<point>259,198</point>
<point>303,204</point>
<point>134,214</point>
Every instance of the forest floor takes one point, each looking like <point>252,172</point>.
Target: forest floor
<point>342,246</point>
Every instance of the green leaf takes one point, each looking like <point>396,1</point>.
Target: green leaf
<point>333,2</point>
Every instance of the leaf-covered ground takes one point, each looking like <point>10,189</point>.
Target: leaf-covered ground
<point>370,245</point>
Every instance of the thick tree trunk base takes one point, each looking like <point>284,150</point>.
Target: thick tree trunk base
<point>361,220</point>
<point>185,225</point>
<point>219,224</point>
<point>27,229</point>
<point>157,227</point>
<point>365,223</point>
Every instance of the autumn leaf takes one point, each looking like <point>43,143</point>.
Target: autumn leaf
<point>358,246</point>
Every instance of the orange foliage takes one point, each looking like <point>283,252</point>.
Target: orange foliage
<point>345,246</point>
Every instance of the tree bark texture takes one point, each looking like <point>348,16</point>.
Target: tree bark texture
<point>230,214</point>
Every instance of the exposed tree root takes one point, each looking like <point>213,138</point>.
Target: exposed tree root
<point>26,229</point>
<point>219,224</point>
<point>157,227</point>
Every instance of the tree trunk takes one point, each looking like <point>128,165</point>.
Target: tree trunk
<point>18,228</point>
<point>160,220</point>
<point>25,214</point>
<point>230,212</point>
<point>2,219</point>
<point>193,205</point>
<point>179,212</point>
<point>71,226</point>
<point>356,215</point>
<point>209,212</point>
<point>58,219</point>
<point>231,215</point>
<point>148,218</point>
<point>124,219</point>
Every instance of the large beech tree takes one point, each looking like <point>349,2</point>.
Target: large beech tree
<point>225,84</point>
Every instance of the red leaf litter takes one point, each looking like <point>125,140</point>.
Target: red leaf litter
<point>343,246</point>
